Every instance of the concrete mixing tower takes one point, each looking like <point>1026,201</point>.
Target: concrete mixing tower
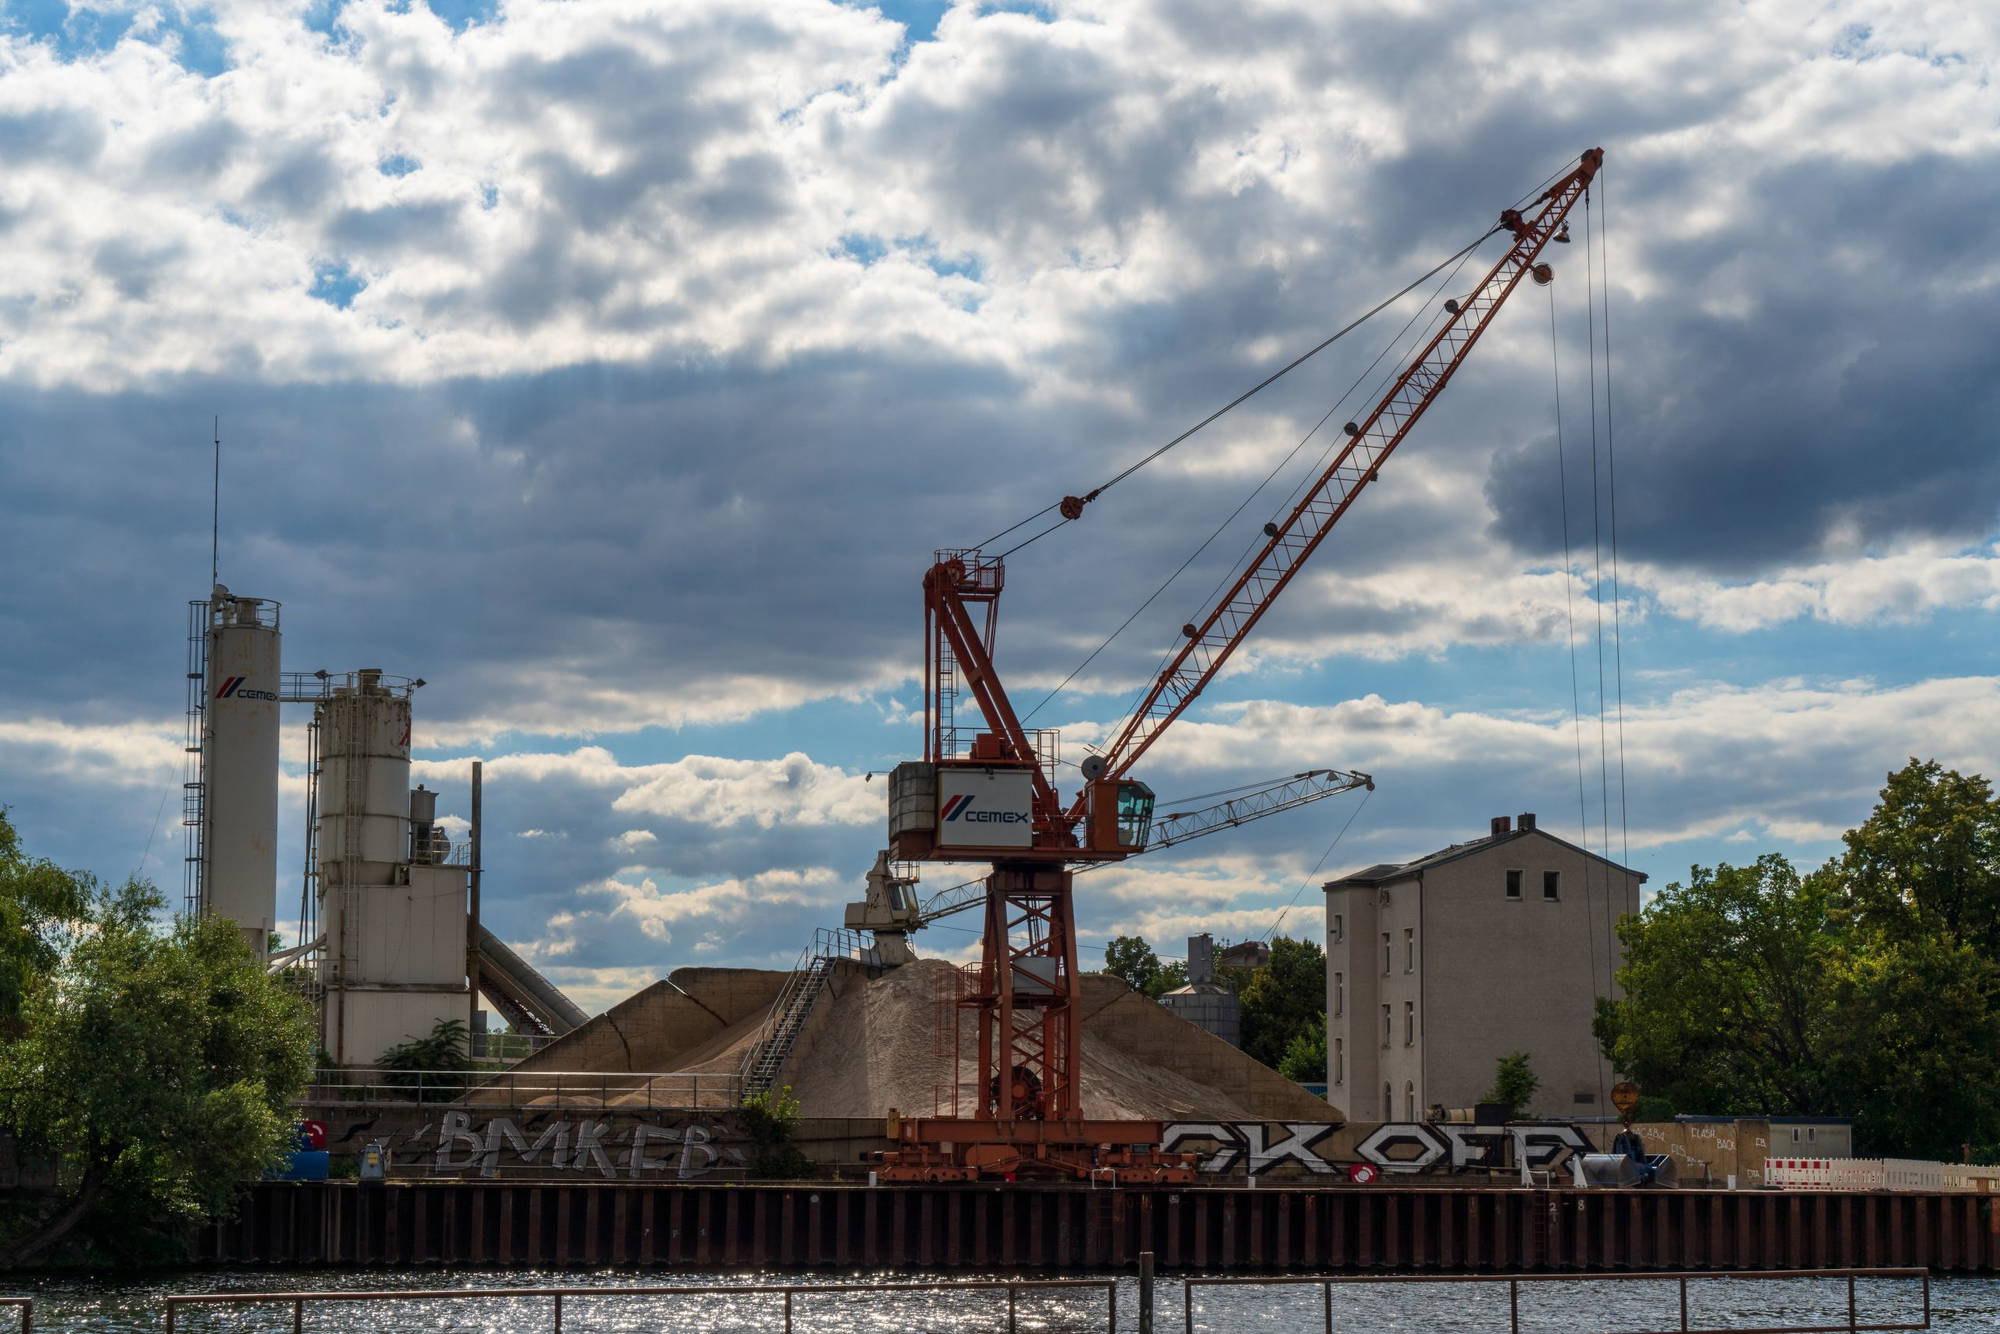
<point>230,803</point>
<point>391,889</point>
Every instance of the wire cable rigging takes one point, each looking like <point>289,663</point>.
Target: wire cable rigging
<point>1314,873</point>
<point>1611,485</point>
<point>1240,399</point>
<point>1255,491</point>
<point>1597,601</point>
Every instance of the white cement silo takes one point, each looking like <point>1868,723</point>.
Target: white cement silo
<point>239,751</point>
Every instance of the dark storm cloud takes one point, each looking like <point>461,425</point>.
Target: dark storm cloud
<point>1847,388</point>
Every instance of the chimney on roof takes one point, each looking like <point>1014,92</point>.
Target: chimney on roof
<point>1501,824</point>
<point>1526,820</point>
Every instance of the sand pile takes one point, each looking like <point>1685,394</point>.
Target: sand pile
<point>873,1043</point>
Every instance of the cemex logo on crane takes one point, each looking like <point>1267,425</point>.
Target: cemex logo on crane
<point>233,689</point>
<point>961,805</point>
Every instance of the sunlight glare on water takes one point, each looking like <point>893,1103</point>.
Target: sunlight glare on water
<point>1581,1306</point>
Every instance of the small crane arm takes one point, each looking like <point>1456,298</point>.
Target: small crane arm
<point>1242,806</point>
<point>1209,642</point>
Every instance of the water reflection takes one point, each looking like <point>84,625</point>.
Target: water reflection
<point>131,1306</point>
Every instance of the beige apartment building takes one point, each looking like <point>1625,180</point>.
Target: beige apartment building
<point>1439,966</point>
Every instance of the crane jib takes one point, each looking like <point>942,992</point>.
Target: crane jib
<point>1210,641</point>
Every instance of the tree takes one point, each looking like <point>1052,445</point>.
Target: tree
<point>432,1068</point>
<point>40,905</point>
<point>1131,958</point>
<point>772,1119</point>
<point>1928,858</point>
<point>1868,989</point>
<point>1727,1003</point>
<point>1171,977</point>
<point>1514,1085</point>
<point>1283,999</point>
<point>1304,1061</point>
<point>157,1070</point>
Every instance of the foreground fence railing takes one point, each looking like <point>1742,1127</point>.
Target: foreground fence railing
<point>1853,1325</point>
<point>785,1293</point>
<point>24,1305</point>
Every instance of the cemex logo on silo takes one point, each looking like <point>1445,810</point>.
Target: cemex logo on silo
<point>233,689</point>
<point>961,804</point>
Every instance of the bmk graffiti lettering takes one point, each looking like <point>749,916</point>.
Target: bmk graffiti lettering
<point>1256,1148</point>
<point>582,1145</point>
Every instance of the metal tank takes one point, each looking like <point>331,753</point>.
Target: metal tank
<point>239,752</point>
<point>364,784</point>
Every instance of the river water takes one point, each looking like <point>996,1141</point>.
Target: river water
<point>130,1306</point>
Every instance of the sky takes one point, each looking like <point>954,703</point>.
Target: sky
<point>617,368</point>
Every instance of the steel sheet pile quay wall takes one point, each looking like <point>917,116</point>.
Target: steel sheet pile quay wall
<point>1205,1229</point>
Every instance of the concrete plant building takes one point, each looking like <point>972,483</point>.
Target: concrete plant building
<point>1439,966</point>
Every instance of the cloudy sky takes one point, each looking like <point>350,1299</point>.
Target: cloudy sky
<point>616,367</point>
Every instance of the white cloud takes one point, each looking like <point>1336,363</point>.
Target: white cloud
<point>1897,588</point>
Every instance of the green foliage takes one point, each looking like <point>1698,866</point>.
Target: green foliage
<point>1131,958</point>
<point>157,1070</point>
<point>1304,1061</point>
<point>772,1119</point>
<point>433,1068</point>
<point>41,905</point>
<point>1283,1000</point>
<point>1514,1085</point>
<point>1869,988</point>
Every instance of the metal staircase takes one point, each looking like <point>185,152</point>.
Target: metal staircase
<point>794,1004</point>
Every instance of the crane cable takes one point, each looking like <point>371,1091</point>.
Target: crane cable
<point>1611,485</point>
<point>1255,491</point>
<point>1241,398</point>
<point>1312,874</point>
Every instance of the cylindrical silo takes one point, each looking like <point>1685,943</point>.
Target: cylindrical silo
<point>240,758</point>
<point>364,785</point>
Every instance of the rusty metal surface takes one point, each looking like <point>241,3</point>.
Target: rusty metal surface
<point>1271,1228</point>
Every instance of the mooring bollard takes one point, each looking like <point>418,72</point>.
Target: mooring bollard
<point>1145,1292</point>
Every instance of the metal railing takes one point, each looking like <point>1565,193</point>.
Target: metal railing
<point>787,1293</point>
<point>26,1306</point>
<point>1853,1324</point>
<point>665,1090</point>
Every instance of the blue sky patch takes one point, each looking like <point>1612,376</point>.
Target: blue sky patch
<point>462,14</point>
<point>397,164</point>
<point>79,31</point>
<point>336,284</point>
<point>864,249</point>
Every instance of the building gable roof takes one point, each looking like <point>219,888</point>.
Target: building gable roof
<point>1389,872</point>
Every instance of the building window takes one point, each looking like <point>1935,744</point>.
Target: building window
<point>1339,932</point>
<point>1409,1023</point>
<point>1388,1103</point>
<point>1409,949</point>
<point>1552,884</point>
<point>1386,961</point>
<point>1409,1102</point>
<point>1513,884</point>
<point>1387,1022</point>
<point>1339,994</point>
<point>1339,1061</point>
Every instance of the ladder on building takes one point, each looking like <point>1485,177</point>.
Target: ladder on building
<point>794,1005</point>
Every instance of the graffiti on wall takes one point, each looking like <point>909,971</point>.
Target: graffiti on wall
<point>582,1145</point>
<point>1308,1148</point>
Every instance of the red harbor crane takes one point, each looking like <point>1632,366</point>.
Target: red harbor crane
<point>987,792</point>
